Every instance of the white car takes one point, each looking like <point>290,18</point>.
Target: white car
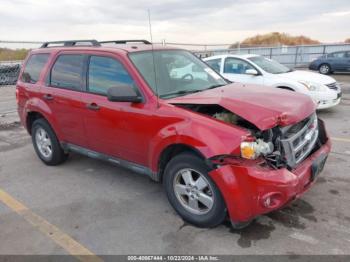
<point>255,69</point>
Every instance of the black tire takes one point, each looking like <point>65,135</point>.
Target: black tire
<point>325,69</point>
<point>57,156</point>
<point>216,214</point>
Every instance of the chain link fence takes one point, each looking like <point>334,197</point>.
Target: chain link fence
<point>12,54</point>
<point>291,56</point>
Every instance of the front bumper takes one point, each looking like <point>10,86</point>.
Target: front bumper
<point>313,66</point>
<point>247,187</point>
<point>324,104</point>
<point>327,99</point>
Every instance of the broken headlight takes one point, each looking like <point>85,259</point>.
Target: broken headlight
<point>254,149</point>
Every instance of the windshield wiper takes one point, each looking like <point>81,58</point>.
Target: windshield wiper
<point>181,92</point>
<point>213,86</point>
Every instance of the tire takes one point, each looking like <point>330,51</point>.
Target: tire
<point>46,144</point>
<point>324,69</point>
<point>210,214</point>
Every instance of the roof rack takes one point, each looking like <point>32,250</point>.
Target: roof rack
<point>118,42</point>
<point>71,43</point>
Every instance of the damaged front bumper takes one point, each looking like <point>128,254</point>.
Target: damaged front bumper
<point>250,189</point>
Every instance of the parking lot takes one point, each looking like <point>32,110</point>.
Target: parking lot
<point>87,206</point>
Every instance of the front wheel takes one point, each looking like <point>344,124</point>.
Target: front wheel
<point>191,191</point>
<point>324,69</point>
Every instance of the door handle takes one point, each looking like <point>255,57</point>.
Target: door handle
<point>93,106</point>
<point>48,97</point>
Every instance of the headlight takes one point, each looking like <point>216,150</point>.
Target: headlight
<point>252,150</point>
<point>311,86</point>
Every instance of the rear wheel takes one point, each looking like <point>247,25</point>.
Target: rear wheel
<point>192,193</point>
<point>324,69</point>
<point>46,144</point>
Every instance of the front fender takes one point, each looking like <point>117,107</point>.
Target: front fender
<point>208,138</point>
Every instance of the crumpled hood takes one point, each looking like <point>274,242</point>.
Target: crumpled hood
<point>265,107</point>
<point>299,75</point>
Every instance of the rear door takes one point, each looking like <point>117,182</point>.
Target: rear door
<point>63,93</point>
<point>235,69</point>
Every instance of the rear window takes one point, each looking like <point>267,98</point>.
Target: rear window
<point>67,72</point>
<point>33,68</point>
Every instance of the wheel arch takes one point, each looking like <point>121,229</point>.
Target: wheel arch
<point>171,151</point>
<point>31,117</point>
<point>324,63</point>
<point>286,87</point>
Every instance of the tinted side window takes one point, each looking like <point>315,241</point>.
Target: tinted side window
<point>215,64</point>
<point>33,68</point>
<point>236,66</point>
<point>339,55</point>
<point>106,72</point>
<point>67,72</point>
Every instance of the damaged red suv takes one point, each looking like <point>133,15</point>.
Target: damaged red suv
<point>222,150</point>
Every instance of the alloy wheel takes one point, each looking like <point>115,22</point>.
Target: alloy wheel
<point>324,69</point>
<point>43,143</point>
<point>193,191</point>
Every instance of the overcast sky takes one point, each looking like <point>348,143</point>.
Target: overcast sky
<point>190,21</point>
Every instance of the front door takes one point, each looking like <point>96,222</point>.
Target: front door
<point>118,129</point>
<point>339,61</point>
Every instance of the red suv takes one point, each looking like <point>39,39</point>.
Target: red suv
<point>221,149</point>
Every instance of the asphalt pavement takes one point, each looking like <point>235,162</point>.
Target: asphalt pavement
<point>87,205</point>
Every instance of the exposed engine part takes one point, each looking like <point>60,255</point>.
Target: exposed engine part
<point>227,117</point>
<point>220,113</point>
<point>275,143</point>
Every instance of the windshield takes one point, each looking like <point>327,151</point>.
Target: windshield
<point>269,65</point>
<point>176,72</point>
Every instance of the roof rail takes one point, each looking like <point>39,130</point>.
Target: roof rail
<point>118,42</point>
<point>71,43</point>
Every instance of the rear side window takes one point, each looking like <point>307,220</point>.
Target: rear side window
<point>338,55</point>
<point>215,64</point>
<point>106,72</point>
<point>33,68</point>
<point>67,72</point>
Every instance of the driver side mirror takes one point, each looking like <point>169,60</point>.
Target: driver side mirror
<point>251,72</point>
<point>123,93</point>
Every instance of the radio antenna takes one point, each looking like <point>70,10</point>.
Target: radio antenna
<point>154,65</point>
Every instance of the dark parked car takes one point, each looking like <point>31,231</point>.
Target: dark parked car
<point>333,62</point>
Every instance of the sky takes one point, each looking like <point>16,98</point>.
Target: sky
<point>185,21</point>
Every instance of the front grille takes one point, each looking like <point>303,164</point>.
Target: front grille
<point>333,86</point>
<point>298,140</point>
